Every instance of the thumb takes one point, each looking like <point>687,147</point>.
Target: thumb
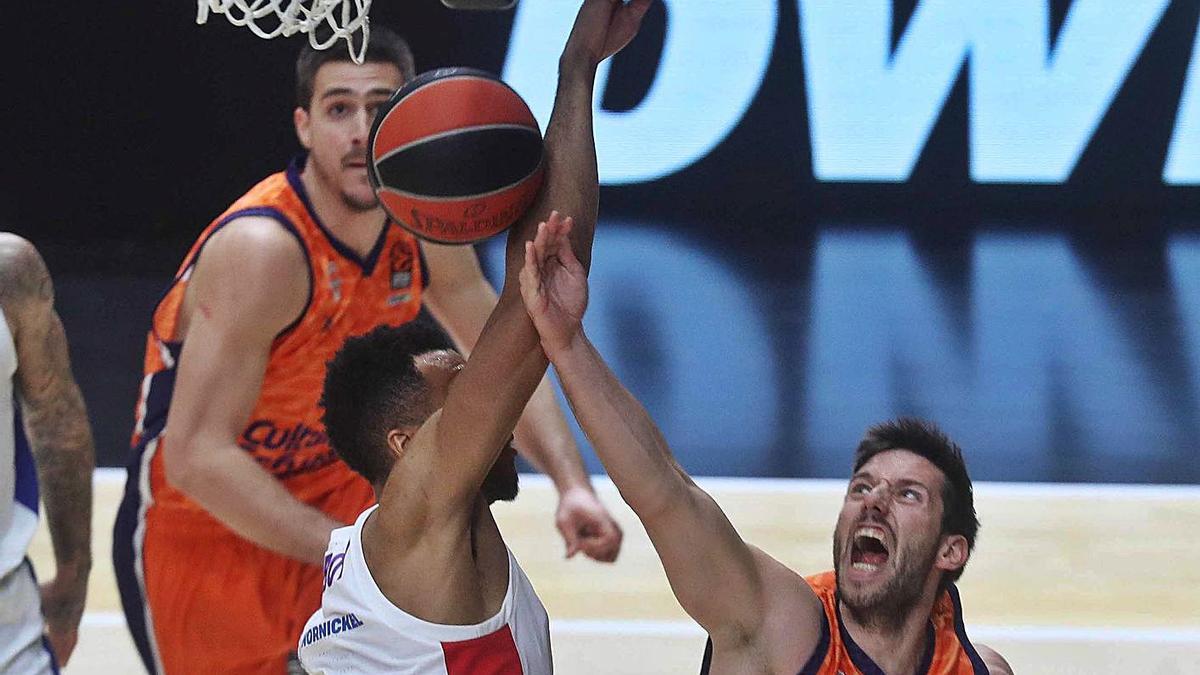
<point>570,536</point>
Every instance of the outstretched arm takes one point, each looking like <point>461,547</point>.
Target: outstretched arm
<point>461,299</point>
<point>726,588</point>
<point>59,435</point>
<point>486,398</point>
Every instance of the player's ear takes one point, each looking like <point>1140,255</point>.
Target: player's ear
<point>301,119</point>
<point>953,553</point>
<point>397,440</point>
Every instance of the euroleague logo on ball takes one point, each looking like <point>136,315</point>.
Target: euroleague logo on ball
<point>455,156</point>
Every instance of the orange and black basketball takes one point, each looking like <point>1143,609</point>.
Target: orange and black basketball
<point>456,156</point>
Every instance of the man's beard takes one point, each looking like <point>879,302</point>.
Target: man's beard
<point>358,205</point>
<point>500,485</point>
<point>887,607</point>
<point>333,180</point>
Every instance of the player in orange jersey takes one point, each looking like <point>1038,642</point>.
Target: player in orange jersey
<point>905,531</point>
<point>233,489</point>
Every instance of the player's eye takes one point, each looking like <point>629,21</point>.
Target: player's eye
<point>911,495</point>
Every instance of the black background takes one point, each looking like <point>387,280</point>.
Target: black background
<point>127,127</point>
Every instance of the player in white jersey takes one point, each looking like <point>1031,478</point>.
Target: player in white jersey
<point>38,626</point>
<point>424,583</point>
<point>358,626</point>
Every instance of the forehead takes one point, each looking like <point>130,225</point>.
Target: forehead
<point>904,465</point>
<point>356,79</point>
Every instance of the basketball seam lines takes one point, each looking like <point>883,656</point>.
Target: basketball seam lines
<point>451,132</point>
<point>462,198</point>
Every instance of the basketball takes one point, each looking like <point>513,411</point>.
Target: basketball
<point>456,156</point>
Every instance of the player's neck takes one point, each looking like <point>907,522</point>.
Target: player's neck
<point>356,228</point>
<point>894,647</point>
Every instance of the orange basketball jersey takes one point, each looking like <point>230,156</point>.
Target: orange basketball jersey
<point>949,652</point>
<point>348,295</point>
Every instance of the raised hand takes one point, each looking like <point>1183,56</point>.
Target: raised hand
<point>554,284</point>
<point>603,28</point>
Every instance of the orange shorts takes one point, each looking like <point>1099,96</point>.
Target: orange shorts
<point>200,599</point>
<point>219,604</point>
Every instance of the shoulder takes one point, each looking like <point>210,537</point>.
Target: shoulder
<point>256,239</point>
<point>23,274</point>
<point>257,253</point>
<point>20,263</point>
<point>995,663</point>
<point>252,271</point>
<point>15,248</point>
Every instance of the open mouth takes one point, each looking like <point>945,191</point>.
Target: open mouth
<point>868,550</point>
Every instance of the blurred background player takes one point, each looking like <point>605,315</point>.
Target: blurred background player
<point>905,532</point>
<point>53,449</point>
<point>424,582</point>
<point>233,488</point>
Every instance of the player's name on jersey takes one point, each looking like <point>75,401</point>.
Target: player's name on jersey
<point>338,624</point>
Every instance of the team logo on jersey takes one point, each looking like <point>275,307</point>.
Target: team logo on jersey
<point>400,266</point>
<point>334,565</point>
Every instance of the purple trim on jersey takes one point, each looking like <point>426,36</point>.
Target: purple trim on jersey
<point>260,211</point>
<point>813,666</point>
<point>960,629</point>
<point>26,483</point>
<point>367,265</point>
<point>864,663</point>
<point>158,400</point>
<point>125,558</point>
<point>45,642</point>
<point>50,652</point>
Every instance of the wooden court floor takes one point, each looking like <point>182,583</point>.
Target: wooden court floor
<point>1064,578</point>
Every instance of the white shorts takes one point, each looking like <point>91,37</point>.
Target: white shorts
<point>23,649</point>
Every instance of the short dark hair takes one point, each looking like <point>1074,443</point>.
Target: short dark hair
<point>372,385</point>
<point>924,438</point>
<point>384,46</point>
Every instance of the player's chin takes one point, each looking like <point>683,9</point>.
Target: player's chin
<point>360,197</point>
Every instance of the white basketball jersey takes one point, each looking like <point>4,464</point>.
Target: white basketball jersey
<point>18,480</point>
<point>358,630</point>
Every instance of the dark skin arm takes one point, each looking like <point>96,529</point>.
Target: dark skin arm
<point>485,400</point>
<point>59,435</point>
<point>461,299</point>
<point>431,510</point>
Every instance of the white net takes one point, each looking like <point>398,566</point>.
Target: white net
<point>325,21</point>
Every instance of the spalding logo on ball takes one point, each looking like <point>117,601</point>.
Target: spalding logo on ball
<point>456,156</point>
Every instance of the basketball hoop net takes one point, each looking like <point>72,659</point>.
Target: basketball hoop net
<point>272,18</point>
